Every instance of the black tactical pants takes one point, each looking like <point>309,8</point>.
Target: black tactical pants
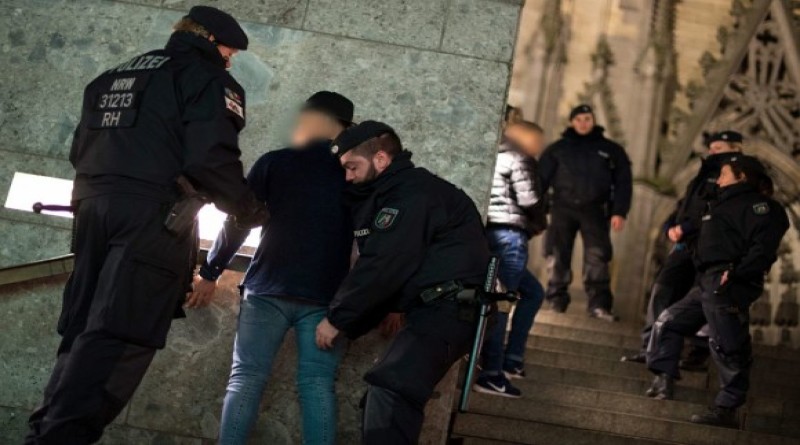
<point>593,224</point>
<point>118,305</point>
<point>673,282</point>
<point>403,380</point>
<point>726,310</point>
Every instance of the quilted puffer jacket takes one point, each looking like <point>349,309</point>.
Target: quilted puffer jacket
<point>516,197</point>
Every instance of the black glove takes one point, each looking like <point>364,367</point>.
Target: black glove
<point>253,214</point>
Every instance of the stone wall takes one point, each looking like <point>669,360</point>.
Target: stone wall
<point>437,70</point>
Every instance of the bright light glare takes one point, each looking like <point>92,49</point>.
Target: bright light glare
<point>211,221</point>
<point>27,189</point>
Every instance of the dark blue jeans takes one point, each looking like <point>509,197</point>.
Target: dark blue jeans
<point>511,246</point>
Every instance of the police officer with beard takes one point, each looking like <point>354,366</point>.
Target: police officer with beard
<point>737,245</point>
<point>421,249</point>
<point>590,178</point>
<point>677,275</point>
<point>162,115</point>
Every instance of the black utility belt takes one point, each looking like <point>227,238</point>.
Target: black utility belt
<point>717,267</point>
<point>452,290</point>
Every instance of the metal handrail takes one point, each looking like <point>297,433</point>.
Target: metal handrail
<point>64,264</point>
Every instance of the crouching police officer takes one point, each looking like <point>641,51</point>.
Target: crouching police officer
<point>738,243</point>
<point>421,248</point>
<point>162,115</point>
<point>677,275</point>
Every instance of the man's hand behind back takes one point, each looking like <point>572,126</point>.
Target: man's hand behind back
<point>202,293</point>
<point>617,223</point>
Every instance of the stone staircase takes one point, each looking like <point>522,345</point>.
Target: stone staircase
<point>578,392</point>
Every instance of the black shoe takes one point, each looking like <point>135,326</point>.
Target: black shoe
<point>694,364</point>
<point>603,314</point>
<point>639,357</point>
<point>717,416</point>
<point>558,307</point>
<point>662,388</point>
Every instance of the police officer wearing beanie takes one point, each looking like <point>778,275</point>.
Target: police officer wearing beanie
<point>590,178</point>
<point>162,115</point>
<point>677,274</point>
<point>421,244</point>
<point>737,244</point>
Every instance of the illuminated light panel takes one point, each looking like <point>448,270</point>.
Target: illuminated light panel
<point>27,189</point>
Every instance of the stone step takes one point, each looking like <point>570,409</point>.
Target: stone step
<point>779,377</point>
<point>456,440</point>
<point>601,365</point>
<point>487,427</point>
<point>624,424</point>
<point>788,367</point>
<point>629,342</point>
<point>769,422</point>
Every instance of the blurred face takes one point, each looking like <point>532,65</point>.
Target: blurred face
<point>226,52</point>
<point>727,177</point>
<point>583,123</point>
<point>530,141</point>
<point>313,125</point>
<point>718,147</point>
<point>359,169</point>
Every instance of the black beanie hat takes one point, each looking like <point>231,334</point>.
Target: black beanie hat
<point>580,109</point>
<point>223,26</point>
<point>331,103</point>
<point>725,136</point>
<point>357,135</point>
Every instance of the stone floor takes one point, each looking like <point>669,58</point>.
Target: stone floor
<point>578,392</point>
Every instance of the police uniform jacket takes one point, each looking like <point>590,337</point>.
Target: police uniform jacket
<point>414,230</point>
<point>587,169</point>
<point>699,192</point>
<point>741,232</point>
<point>515,199</point>
<point>159,115</point>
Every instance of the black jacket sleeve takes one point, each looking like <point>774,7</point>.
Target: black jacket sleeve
<point>547,169</point>
<point>763,243</point>
<point>231,237</point>
<point>212,156</point>
<point>388,259</point>
<point>623,183</point>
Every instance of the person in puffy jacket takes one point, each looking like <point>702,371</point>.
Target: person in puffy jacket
<point>516,214</point>
<point>590,178</point>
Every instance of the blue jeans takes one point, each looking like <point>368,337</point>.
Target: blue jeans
<point>511,246</point>
<point>263,323</point>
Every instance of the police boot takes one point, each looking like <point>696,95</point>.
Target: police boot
<point>639,357</point>
<point>717,416</point>
<point>603,314</point>
<point>662,388</point>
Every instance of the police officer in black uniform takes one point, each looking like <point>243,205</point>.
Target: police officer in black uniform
<point>738,243</point>
<point>677,274</point>
<point>165,114</point>
<point>591,183</point>
<point>421,243</point>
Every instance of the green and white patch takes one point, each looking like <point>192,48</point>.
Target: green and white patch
<point>762,208</point>
<point>386,218</point>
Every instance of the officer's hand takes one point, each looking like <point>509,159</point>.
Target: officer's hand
<point>724,278</point>
<point>675,233</point>
<point>617,223</point>
<point>202,293</point>
<point>392,323</point>
<point>326,334</point>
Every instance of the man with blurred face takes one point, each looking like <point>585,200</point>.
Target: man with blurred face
<point>516,214</point>
<point>422,252</point>
<point>591,183</point>
<point>677,274</point>
<point>303,255</point>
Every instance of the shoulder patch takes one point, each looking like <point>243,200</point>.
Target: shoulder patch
<point>762,208</point>
<point>386,218</point>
